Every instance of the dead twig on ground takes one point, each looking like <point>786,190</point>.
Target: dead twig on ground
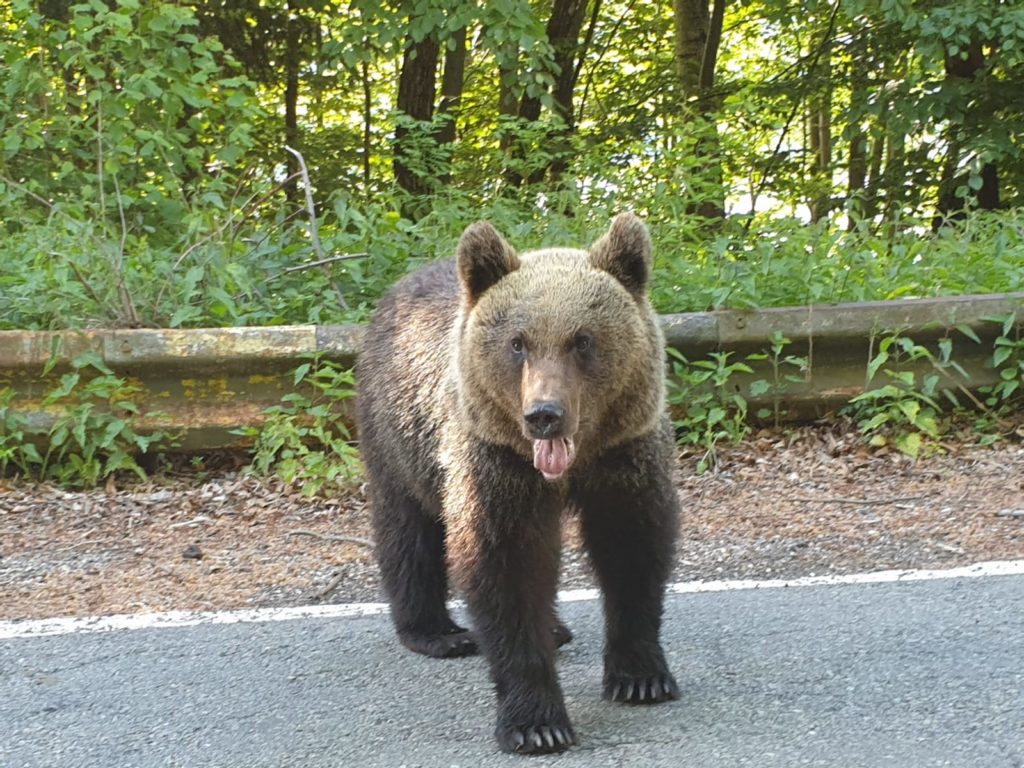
<point>332,585</point>
<point>1012,513</point>
<point>82,543</point>
<point>861,502</point>
<point>187,523</point>
<point>334,537</point>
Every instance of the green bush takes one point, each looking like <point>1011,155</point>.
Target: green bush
<point>710,412</point>
<point>93,435</point>
<point>304,441</point>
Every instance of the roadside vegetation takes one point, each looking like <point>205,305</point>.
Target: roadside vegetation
<point>244,162</point>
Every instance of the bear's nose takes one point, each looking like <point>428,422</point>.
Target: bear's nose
<point>544,419</point>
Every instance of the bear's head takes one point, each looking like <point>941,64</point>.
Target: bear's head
<point>559,355</point>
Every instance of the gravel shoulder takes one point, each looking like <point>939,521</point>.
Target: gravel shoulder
<point>813,501</point>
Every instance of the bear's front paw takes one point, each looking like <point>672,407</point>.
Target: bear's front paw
<point>449,645</point>
<point>640,689</point>
<point>533,726</point>
<point>536,739</point>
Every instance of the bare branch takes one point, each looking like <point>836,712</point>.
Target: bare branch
<point>314,232</point>
<point>319,263</point>
<point>81,278</point>
<point>39,199</point>
<point>127,304</point>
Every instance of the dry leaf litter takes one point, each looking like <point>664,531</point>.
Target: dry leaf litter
<point>814,501</point>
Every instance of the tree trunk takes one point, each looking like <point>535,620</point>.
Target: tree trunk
<point>857,173</point>
<point>565,38</point>
<point>698,36</point>
<point>709,59</point>
<point>872,190</point>
<point>367,125</point>
<point>291,102</point>
<point>692,23</point>
<point>820,134</point>
<point>417,85</point>
<point>988,195</point>
<point>563,32</point>
<point>949,205</point>
<point>452,82</point>
<point>857,166</point>
<point>820,145</point>
<point>508,98</point>
<point>894,176</point>
<point>952,207</point>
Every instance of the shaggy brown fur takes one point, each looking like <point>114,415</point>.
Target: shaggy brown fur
<point>495,391</point>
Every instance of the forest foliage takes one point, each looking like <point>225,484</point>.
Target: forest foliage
<point>222,162</point>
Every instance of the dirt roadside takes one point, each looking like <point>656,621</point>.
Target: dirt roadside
<point>814,501</point>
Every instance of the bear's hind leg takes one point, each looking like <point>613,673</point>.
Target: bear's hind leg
<point>410,551</point>
<point>629,519</point>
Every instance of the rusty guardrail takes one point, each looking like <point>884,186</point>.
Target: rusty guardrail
<point>207,382</point>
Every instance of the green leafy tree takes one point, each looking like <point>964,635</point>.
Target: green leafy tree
<point>119,110</point>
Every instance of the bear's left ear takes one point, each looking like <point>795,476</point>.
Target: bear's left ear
<point>624,252</point>
<point>483,258</point>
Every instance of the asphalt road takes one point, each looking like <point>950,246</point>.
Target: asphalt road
<point>907,675</point>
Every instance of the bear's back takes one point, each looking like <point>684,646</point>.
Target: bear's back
<point>403,373</point>
<point>415,316</point>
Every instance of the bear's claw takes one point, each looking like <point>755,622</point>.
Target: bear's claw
<point>537,739</point>
<point>641,690</point>
<point>563,634</point>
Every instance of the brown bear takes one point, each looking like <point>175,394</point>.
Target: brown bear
<point>496,390</point>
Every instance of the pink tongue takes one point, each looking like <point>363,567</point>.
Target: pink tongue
<point>553,457</point>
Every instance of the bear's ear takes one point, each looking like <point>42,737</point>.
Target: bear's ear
<point>483,258</point>
<point>624,252</point>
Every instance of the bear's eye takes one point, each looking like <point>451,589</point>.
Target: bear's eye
<point>584,343</point>
<point>517,345</point>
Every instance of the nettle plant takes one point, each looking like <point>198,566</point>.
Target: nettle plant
<point>904,411</point>
<point>93,435</point>
<point>304,440</point>
<point>17,453</point>
<point>1007,393</point>
<point>1008,359</point>
<point>786,370</point>
<point>913,409</point>
<point>710,410</point>
<point>914,393</point>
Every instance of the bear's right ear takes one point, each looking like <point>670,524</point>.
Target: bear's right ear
<point>483,258</point>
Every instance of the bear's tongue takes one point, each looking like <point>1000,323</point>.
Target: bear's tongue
<point>553,457</point>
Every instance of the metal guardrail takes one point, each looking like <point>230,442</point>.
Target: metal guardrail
<point>840,339</point>
<point>206,382</point>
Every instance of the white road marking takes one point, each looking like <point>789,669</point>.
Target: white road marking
<point>88,624</point>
